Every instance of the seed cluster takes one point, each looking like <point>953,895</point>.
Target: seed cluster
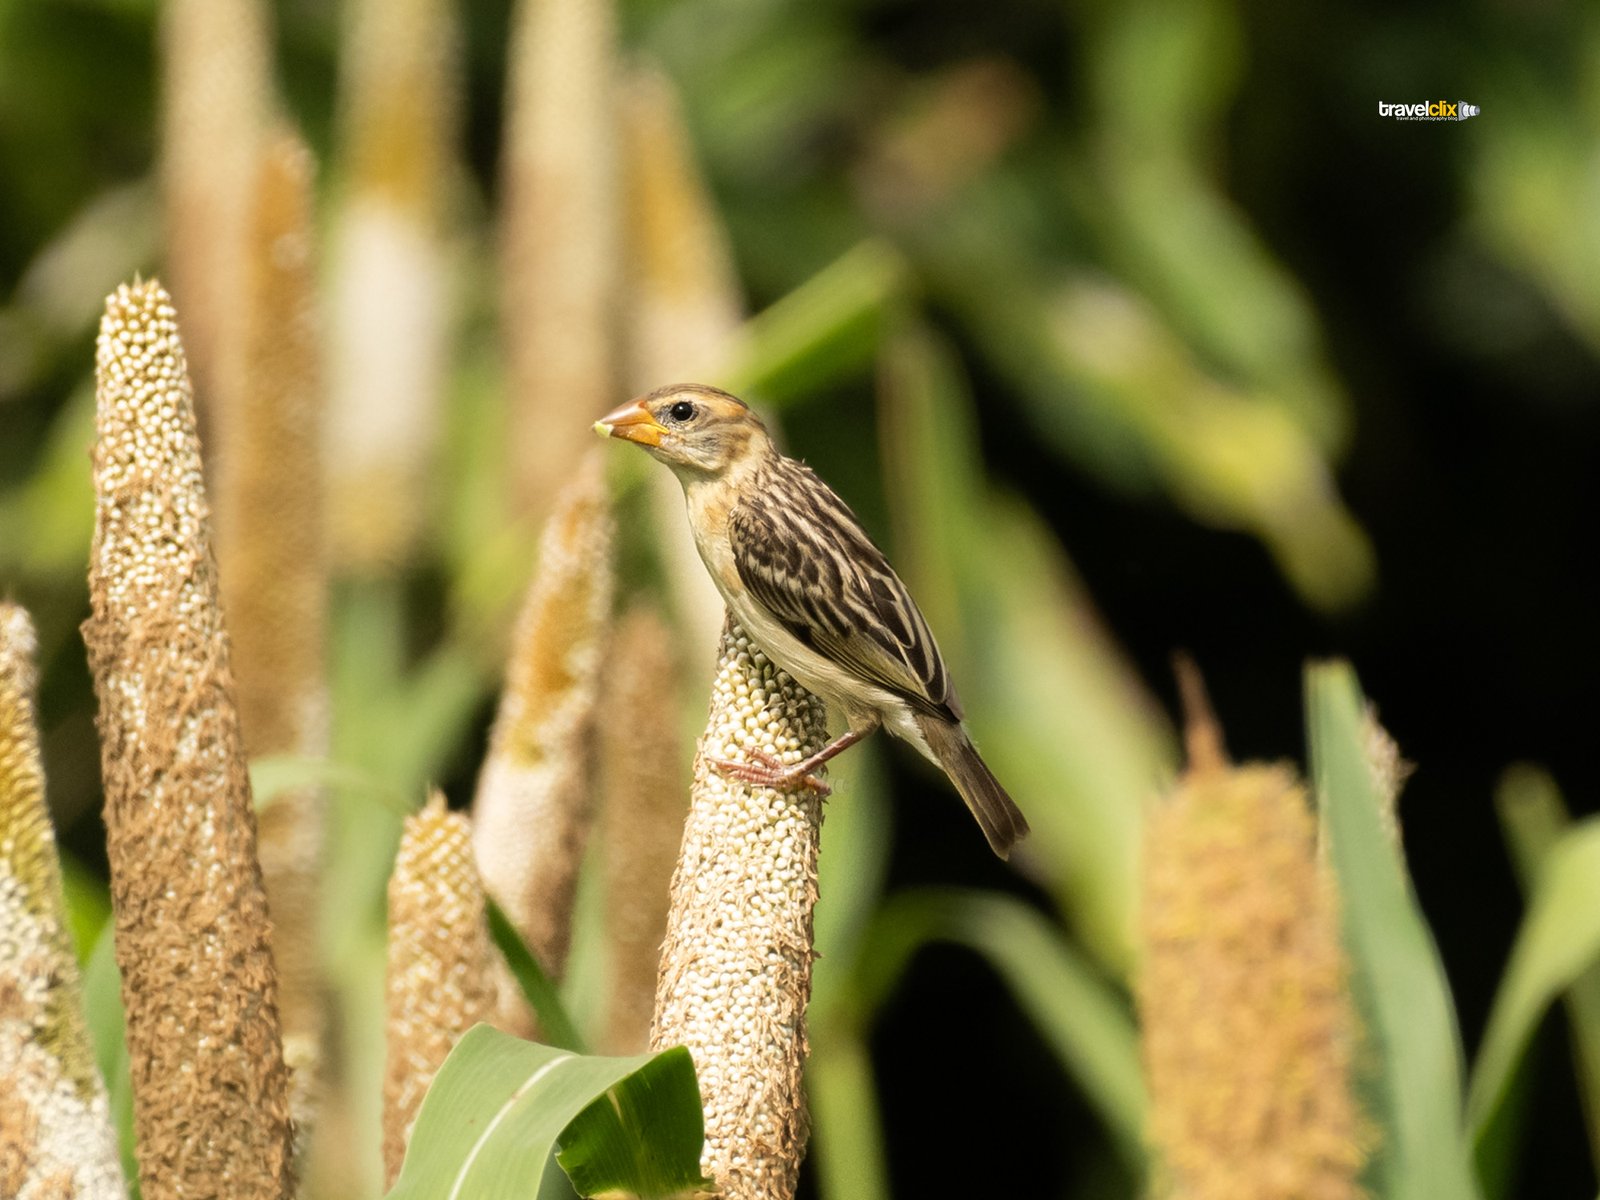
<point>56,1137</point>
<point>199,986</point>
<point>440,982</point>
<point>736,968</point>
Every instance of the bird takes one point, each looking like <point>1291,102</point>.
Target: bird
<point>805,581</point>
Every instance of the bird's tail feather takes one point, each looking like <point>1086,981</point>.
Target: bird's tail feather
<point>1001,820</point>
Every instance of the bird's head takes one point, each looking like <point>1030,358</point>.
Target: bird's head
<point>694,429</point>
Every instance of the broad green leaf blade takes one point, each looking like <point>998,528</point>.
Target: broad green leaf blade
<point>1558,941</point>
<point>1080,1015</point>
<point>491,1120</point>
<point>643,1138</point>
<point>1396,973</point>
<point>541,993</point>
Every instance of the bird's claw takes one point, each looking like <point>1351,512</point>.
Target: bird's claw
<point>767,770</point>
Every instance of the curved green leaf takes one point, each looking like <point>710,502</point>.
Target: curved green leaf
<point>495,1112</point>
<point>1396,973</point>
<point>1558,941</point>
<point>537,987</point>
<point>1080,1015</point>
<point>643,1138</point>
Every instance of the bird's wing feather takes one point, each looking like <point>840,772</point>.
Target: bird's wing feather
<point>802,554</point>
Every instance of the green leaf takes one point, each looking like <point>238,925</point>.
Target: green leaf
<point>490,1123</point>
<point>1534,817</point>
<point>642,1138</point>
<point>1558,941</point>
<point>1054,707</point>
<point>847,1128</point>
<point>1397,977</point>
<point>102,1002</point>
<point>824,329</point>
<point>1079,1014</point>
<point>88,903</point>
<point>536,986</point>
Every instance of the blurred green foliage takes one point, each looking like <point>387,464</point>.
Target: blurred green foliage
<point>930,212</point>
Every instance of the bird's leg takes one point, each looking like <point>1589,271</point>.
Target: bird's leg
<point>768,771</point>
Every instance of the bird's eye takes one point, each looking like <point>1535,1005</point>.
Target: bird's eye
<point>683,410</point>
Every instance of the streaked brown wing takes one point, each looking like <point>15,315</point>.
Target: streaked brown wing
<point>803,554</point>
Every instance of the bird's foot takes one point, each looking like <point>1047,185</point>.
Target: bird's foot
<point>767,770</point>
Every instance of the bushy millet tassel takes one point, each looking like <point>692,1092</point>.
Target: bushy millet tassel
<point>1248,1027</point>
<point>641,817</point>
<point>391,273</point>
<point>560,234</point>
<point>273,574</point>
<point>534,803</point>
<point>440,978</point>
<point>198,984</point>
<point>736,967</point>
<point>56,1137</point>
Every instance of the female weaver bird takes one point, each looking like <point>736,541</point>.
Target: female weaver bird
<point>802,577</point>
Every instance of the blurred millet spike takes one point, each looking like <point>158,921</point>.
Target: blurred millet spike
<point>267,475</point>
<point>389,285</point>
<point>1249,1031</point>
<point>534,802</point>
<point>56,1136</point>
<point>736,967</point>
<point>440,977</point>
<point>643,805</point>
<point>684,310</point>
<point>192,938</point>
<point>216,97</point>
<point>560,238</point>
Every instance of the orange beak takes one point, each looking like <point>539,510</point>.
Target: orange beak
<point>632,423</point>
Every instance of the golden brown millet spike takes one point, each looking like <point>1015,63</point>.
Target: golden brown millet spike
<point>643,806</point>
<point>535,802</point>
<point>55,1125</point>
<point>560,238</point>
<point>192,938</point>
<point>267,469</point>
<point>440,979</point>
<point>736,967</point>
<point>390,278</point>
<point>1248,1028</point>
<point>216,101</point>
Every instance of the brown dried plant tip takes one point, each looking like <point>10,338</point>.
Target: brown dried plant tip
<point>736,967</point>
<point>55,1125</point>
<point>440,977</point>
<point>198,982</point>
<point>1248,1027</point>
